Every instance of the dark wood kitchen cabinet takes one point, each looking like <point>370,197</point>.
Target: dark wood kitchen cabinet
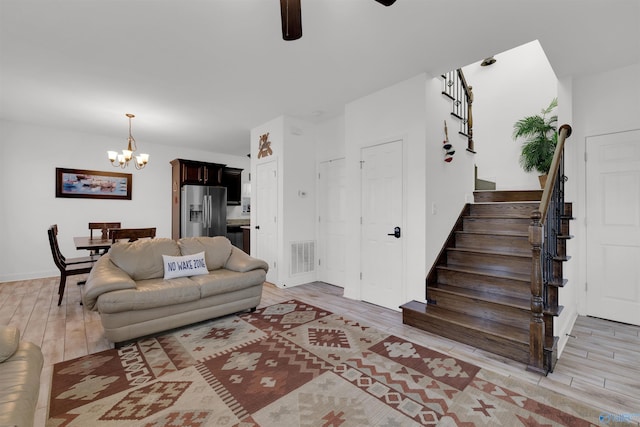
<point>198,173</point>
<point>193,172</point>
<point>232,179</point>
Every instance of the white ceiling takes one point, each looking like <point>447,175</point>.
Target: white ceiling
<point>202,73</point>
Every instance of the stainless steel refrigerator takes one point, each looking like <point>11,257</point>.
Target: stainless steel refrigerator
<point>203,211</point>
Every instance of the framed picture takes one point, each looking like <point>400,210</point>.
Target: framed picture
<point>92,184</point>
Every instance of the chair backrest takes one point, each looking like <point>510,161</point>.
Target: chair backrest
<point>58,259</point>
<point>104,226</point>
<point>131,234</point>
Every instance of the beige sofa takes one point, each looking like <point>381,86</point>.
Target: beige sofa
<point>127,285</point>
<point>20,367</point>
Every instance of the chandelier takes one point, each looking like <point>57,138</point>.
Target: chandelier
<point>122,160</point>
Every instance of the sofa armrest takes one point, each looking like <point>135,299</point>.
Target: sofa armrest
<point>105,277</point>
<point>241,262</point>
<point>9,340</point>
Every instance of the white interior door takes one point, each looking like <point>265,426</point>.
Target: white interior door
<point>332,229</point>
<point>382,211</point>
<point>266,207</point>
<point>613,226</point>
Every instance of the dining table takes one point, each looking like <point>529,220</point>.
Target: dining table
<point>96,244</point>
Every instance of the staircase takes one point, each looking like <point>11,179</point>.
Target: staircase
<point>479,290</point>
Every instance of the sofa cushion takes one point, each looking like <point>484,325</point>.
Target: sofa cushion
<point>223,281</point>
<point>142,259</point>
<point>148,294</point>
<point>185,265</point>
<point>216,249</point>
<point>9,340</point>
<point>20,381</point>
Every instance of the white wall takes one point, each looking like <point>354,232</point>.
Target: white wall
<point>299,195</point>
<point>595,106</point>
<point>292,142</point>
<point>330,142</point>
<point>448,185</point>
<point>30,155</point>
<point>275,129</point>
<point>603,103</point>
<point>519,84</point>
<point>568,296</point>
<point>397,112</point>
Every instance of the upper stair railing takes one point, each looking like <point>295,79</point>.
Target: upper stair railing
<point>544,231</point>
<point>456,88</point>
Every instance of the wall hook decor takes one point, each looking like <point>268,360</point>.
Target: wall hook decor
<point>448,148</point>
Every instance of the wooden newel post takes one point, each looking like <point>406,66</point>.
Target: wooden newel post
<point>536,326</point>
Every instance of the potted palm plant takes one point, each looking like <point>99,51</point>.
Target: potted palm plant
<point>539,135</point>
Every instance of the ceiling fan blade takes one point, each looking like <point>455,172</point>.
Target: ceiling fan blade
<point>386,2</point>
<point>291,19</point>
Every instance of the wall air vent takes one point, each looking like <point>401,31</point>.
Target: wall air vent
<point>303,257</point>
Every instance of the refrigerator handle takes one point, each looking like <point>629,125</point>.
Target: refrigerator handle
<point>210,211</point>
<point>205,211</point>
<point>206,219</point>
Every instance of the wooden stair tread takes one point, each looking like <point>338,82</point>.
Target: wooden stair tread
<point>496,216</point>
<point>484,326</point>
<point>558,284</point>
<point>494,233</point>
<point>488,272</point>
<point>491,297</point>
<point>533,204</point>
<point>565,236</point>
<point>554,311</point>
<point>486,252</point>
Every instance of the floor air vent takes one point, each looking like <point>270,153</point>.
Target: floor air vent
<point>303,257</point>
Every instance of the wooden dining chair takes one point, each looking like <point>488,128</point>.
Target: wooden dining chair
<point>66,266</point>
<point>131,234</point>
<point>104,228</point>
<point>69,261</point>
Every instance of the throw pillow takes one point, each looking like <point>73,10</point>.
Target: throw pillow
<point>217,249</point>
<point>188,265</point>
<point>142,259</point>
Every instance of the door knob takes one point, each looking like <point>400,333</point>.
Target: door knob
<point>396,233</point>
<point>257,227</point>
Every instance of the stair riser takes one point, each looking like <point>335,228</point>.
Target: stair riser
<point>512,264</point>
<point>504,209</point>
<point>514,244</point>
<point>514,288</point>
<point>496,224</point>
<point>492,343</point>
<point>484,309</point>
<point>507,196</point>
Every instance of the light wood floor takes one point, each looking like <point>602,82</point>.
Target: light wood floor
<point>600,366</point>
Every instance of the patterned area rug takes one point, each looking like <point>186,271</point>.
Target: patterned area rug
<point>293,364</point>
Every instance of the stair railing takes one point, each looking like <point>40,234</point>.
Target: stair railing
<point>546,223</point>
<point>457,89</point>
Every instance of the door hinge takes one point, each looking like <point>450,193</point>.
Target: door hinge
<point>361,163</point>
<point>319,263</point>
<point>275,264</point>
<point>361,275</point>
<point>585,156</point>
<point>319,218</point>
<point>586,287</point>
<point>360,220</point>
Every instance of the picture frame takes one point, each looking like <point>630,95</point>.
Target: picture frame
<point>90,184</point>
